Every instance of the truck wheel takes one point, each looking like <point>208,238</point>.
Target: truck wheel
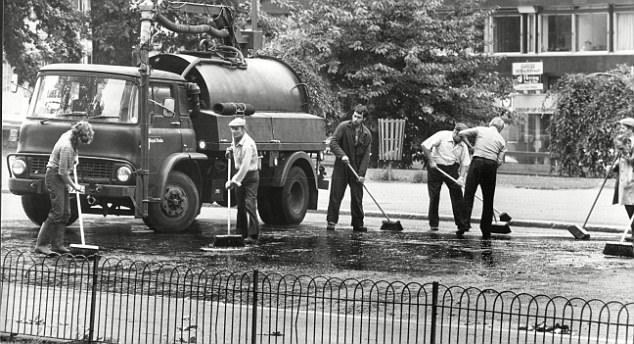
<point>178,206</point>
<point>267,197</point>
<point>294,197</point>
<point>37,206</point>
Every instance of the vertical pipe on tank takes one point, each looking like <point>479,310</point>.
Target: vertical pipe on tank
<point>254,15</point>
<point>142,185</point>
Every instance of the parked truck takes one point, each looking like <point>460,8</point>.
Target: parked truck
<point>160,139</point>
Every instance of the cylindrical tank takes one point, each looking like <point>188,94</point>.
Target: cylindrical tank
<point>267,84</point>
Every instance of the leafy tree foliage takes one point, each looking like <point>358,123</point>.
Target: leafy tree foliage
<point>412,59</point>
<point>583,126</point>
<point>39,32</point>
<point>115,31</point>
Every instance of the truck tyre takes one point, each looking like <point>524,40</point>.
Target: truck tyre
<point>178,206</point>
<point>294,197</point>
<point>37,206</point>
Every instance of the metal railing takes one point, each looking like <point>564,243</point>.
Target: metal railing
<point>122,301</point>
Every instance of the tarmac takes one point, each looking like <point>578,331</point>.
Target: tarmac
<point>537,208</point>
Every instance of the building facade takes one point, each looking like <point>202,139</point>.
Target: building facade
<point>541,41</point>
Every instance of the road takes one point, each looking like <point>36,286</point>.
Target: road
<point>531,260</point>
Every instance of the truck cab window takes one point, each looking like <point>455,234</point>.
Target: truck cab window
<point>159,93</point>
<point>75,97</point>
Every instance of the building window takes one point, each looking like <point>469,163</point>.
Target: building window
<point>507,34</point>
<point>557,32</point>
<point>592,32</point>
<point>624,38</point>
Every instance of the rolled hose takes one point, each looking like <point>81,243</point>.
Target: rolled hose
<point>187,28</point>
<point>229,109</point>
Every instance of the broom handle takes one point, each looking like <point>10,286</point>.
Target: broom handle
<point>81,220</point>
<point>229,197</point>
<point>627,229</point>
<point>369,193</point>
<point>462,186</point>
<point>599,193</point>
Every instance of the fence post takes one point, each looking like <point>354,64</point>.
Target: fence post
<point>254,315</point>
<point>93,299</point>
<point>434,312</point>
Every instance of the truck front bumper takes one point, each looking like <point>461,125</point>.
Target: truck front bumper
<point>20,186</point>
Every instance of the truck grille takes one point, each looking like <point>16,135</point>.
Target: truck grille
<point>95,170</point>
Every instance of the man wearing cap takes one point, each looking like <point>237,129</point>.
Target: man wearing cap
<point>446,152</point>
<point>488,155</point>
<point>624,145</point>
<point>246,180</point>
<point>350,143</point>
<point>58,183</point>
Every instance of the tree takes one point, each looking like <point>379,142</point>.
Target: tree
<point>39,32</point>
<point>412,59</point>
<point>115,31</point>
<point>582,127</point>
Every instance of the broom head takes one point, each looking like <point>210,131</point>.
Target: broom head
<point>618,248</point>
<point>505,217</point>
<point>578,232</point>
<point>229,241</point>
<point>392,225</point>
<point>501,227</point>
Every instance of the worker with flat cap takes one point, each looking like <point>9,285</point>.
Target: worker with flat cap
<point>624,145</point>
<point>488,154</point>
<point>245,181</point>
<point>445,151</point>
<point>351,145</point>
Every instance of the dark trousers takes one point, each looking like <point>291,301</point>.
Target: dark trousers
<point>52,230</point>
<point>435,179</point>
<point>341,178</point>
<point>482,172</point>
<point>246,196</point>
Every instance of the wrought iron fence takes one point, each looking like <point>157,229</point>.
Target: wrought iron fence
<point>122,301</point>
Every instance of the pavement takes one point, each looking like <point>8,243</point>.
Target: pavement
<point>541,208</point>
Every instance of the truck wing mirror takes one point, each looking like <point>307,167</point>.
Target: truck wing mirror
<point>14,83</point>
<point>168,107</point>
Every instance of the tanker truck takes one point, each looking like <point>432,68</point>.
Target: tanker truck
<point>159,150</point>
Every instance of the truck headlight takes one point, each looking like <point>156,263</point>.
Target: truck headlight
<point>18,167</point>
<point>124,173</point>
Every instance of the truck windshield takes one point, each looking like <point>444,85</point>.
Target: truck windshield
<point>85,97</point>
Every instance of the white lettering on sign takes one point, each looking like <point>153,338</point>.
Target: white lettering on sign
<point>156,140</point>
<point>528,68</point>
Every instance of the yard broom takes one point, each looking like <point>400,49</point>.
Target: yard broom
<point>387,223</point>
<point>82,248</point>
<point>499,227</point>
<point>620,248</point>
<point>229,240</point>
<point>581,232</point>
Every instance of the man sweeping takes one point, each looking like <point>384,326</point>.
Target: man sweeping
<point>351,144</point>
<point>488,155</point>
<point>245,181</point>
<point>446,151</point>
<point>58,183</point>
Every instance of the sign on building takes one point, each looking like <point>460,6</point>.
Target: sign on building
<point>527,76</point>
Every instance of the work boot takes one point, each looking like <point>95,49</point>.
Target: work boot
<point>360,229</point>
<point>43,239</point>
<point>331,226</point>
<point>58,239</point>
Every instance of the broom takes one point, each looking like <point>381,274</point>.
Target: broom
<point>229,240</point>
<point>620,248</point>
<point>82,248</point>
<point>387,223</point>
<point>581,232</point>
<point>501,227</point>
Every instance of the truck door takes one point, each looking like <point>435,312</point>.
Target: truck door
<point>165,131</point>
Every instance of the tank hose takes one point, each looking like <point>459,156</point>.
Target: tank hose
<point>187,28</point>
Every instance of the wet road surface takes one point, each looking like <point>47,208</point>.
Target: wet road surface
<point>528,260</point>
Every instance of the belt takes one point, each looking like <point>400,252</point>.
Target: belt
<point>482,158</point>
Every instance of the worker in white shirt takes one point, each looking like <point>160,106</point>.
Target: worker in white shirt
<point>245,180</point>
<point>446,151</point>
<point>488,155</point>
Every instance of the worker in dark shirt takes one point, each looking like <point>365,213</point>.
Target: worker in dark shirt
<point>351,144</point>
